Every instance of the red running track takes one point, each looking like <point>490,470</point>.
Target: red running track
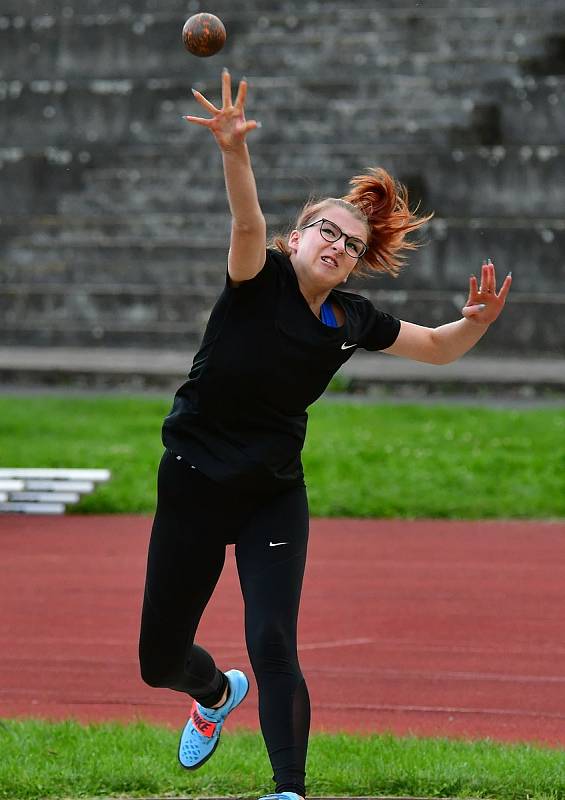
<point>431,628</point>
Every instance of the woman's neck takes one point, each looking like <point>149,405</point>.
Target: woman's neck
<point>315,296</point>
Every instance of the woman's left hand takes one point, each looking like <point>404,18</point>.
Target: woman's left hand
<point>483,304</point>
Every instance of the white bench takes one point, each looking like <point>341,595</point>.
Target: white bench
<point>45,490</point>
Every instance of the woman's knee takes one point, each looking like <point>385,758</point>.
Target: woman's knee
<point>153,675</point>
<point>272,646</point>
<point>156,672</point>
<point>190,670</point>
<point>161,661</point>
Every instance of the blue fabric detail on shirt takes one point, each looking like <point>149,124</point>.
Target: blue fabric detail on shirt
<point>327,315</point>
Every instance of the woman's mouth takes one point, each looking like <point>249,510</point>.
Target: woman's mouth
<point>329,260</point>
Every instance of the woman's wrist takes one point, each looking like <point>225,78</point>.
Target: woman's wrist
<point>476,322</point>
<point>237,150</point>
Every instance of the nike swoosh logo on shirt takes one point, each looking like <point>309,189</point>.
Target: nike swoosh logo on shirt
<point>346,346</point>
<point>276,544</point>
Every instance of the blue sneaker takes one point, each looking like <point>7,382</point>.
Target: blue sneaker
<point>281,796</point>
<point>201,733</point>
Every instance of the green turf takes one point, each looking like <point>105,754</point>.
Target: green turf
<point>360,460</point>
<point>64,760</point>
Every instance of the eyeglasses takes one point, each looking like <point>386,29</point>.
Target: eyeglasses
<point>354,247</point>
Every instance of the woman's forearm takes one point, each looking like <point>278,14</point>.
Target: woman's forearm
<point>241,187</point>
<point>454,339</point>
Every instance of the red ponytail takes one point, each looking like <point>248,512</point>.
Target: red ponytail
<point>384,203</point>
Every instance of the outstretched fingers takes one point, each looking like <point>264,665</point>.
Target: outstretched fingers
<point>487,276</point>
<point>484,304</point>
<point>241,94</point>
<point>505,288</point>
<point>226,89</point>
<point>206,103</point>
<point>228,123</point>
<point>491,277</point>
<point>206,123</point>
<point>251,125</point>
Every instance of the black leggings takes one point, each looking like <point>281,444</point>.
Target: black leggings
<point>195,519</point>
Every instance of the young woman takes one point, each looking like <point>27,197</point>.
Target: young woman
<point>231,472</point>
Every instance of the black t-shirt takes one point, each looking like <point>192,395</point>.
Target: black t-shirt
<point>241,416</point>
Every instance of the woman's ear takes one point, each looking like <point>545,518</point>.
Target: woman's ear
<point>293,240</point>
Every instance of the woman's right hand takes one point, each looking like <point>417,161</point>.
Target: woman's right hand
<point>228,124</point>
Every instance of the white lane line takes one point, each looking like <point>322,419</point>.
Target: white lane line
<point>506,712</point>
<point>402,674</point>
<point>335,643</point>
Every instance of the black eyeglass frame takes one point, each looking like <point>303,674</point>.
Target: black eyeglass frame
<point>341,233</point>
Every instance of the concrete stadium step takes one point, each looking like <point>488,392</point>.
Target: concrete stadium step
<point>518,112</point>
<point>480,32</point>
<point>535,114</point>
<point>57,316</point>
<point>466,181</point>
<point>198,270</point>
<point>273,91</point>
<point>69,115</point>
<point>276,91</point>
<point>453,249</point>
<point>116,322</point>
<point>151,115</point>
<point>57,229</point>
<point>100,10</point>
<point>52,306</point>
<point>283,195</point>
<point>485,181</point>
<point>34,8</point>
<point>72,333</point>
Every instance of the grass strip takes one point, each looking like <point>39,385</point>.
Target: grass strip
<point>379,460</point>
<point>69,760</point>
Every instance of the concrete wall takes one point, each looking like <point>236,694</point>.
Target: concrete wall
<point>113,216</point>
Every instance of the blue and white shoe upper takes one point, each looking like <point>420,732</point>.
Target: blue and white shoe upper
<point>201,733</point>
<point>281,796</point>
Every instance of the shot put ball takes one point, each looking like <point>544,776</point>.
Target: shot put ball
<point>204,34</point>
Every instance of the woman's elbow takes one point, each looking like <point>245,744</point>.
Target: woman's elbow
<point>249,227</point>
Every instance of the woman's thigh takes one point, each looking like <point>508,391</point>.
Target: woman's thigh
<point>187,549</point>
<point>271,555</point>
<point>194,520</point>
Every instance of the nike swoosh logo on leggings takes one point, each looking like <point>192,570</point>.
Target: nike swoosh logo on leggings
<point>276,544</point>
